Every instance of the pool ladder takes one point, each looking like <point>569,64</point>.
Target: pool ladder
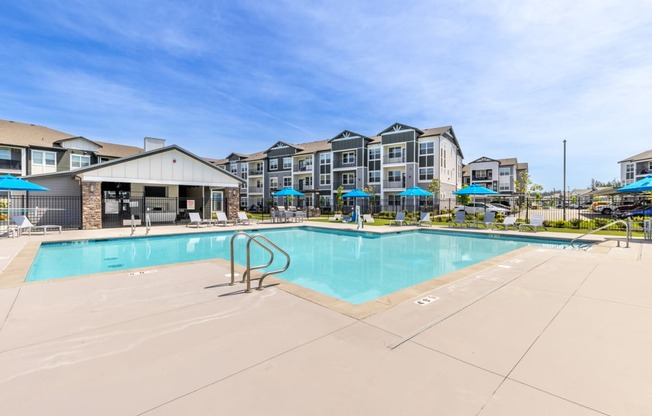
<point>628,234</point>
<point>246,277</point>
<point>148,224</point>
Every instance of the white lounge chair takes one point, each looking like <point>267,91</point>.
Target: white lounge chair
<point>368,218</point>
<point>509,221</point>
<point>425,219</point>
<point>335,217</point>
<point>536,222</point>
<point>399,220</point>
<point>489,218</point>
<point>24,224</point>
<point>223,219</point>
<point>460,219</point>
<point>196,220</point>
<point>242,218</point>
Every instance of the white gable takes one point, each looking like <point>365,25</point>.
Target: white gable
<point>79,143</point>
<point>171,167</point>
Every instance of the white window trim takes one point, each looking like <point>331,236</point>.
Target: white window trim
<point>44,153</point>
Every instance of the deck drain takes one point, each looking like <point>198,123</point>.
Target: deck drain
<point>426,300</point>
<point>142,272</point>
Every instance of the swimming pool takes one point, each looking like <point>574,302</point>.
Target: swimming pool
<point>352,266</point>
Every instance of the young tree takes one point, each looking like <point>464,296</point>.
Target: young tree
<point>339,201</point>
<point>434,187</point>
<point>525,187</point>
<point>462,199</point>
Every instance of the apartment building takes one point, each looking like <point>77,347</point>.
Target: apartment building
<point>28,149</point>
<point>635,167</point>
<point>499,175</point>
<point>395,159</point>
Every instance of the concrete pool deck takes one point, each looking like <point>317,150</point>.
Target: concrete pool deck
<point>536,332</point>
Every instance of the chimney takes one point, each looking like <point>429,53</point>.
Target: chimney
<point>152,143</point>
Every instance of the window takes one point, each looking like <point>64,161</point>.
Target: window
<point>442,160</point>
<point>44,158</point>
<point>426,174</point>
<point>5,153</point>
<point>480,174</point>
<point>325,159</point>
<point>273,164</point>
<point>427,148</point>
<point>325,179</point>
<point>80,161</point>
<point>348,158</point>
<point>629,171</point>
<point>287,163</point>
<point>395,152</point>
<point>374,153</point>
<point>504,186</point>
<point>394,176</point>
<point>273,183</point>
<point>287,181</point>
<point>374,177</point>
<point>234,168</point>
<point>307,181</point>
<point>325,201</point>
<point>348,179</point>
<point>217,201</point>
<point>505,171</point>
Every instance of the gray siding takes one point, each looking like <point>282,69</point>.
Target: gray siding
<point>347,144</point>
<point>402,137</point>
<point>65,185</point>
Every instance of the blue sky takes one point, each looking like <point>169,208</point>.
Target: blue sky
<point>513,78</point>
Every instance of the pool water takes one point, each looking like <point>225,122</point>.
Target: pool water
<point>348,265</point>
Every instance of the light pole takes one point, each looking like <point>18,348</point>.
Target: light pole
<point>563,202</point>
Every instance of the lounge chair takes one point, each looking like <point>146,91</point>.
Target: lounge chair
<point>536,221</point>
<point>196,220</point>
<point>242,218</point>
<point>489,218</point>
<point>24,224</point>
<point>425,219</point>
<point>460,219</point>
<point>368,218</point>
<point>346,218</point>
<point>509,221</point>
<point>222,219</point>
<point>336,217</point>
<point>399,220</point>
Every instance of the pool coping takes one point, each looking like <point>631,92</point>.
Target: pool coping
<point>16,271</point>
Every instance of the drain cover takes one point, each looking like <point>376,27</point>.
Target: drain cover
<point>426,300</point>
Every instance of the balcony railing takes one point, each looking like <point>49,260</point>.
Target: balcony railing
<point>387,160</point>
<point>339,164</point>
<point>344,185</point>
<point>255,189</point>
<point>255,172</point>
<point>302,168</point>
<point>393,184</point>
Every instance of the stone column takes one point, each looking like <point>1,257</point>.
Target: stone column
<point>232,202</point>
<point>91,205</point>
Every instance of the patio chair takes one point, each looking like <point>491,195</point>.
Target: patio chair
<point>346,218</point>
<point>368,218</point>
<point>197,220</point>
<point>536,222</point>
<point>509,221</point>
<point>24,224</point>
<point>242,218</point>
<point>222,219</point>
<point>460,219</point>
<point>336,217</point>
<point>425,219</point>
<point>489,218</point>
<point>399,220</point>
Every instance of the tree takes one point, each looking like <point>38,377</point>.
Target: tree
<point>434,187</point>
<point>339,201</point>
<point>372,199</point>
<point>614,183</point>
<point>525,187</point>
<point>462,199</point>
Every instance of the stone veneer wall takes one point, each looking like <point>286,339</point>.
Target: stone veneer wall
<point>91,205</point>
<point>232,202</point>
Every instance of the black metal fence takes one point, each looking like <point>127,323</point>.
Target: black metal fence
<point>65,211</point>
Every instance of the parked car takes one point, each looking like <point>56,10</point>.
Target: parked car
<point>480,207</point>
<point>623,210</point>
<point>647,212</point>
<point>596,206</point>
<point>501,205</point>
<point>605,209</point>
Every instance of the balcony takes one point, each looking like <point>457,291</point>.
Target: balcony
<point>338,164</point>
<point>255,172</point>
<point>300,168</point>
<point>344,185</point>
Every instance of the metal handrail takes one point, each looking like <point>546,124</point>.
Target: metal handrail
<point>628,234</point>
<point>247,274</point>
<point>148,224</point>
<point>261,278</point>
<point>133,224</point>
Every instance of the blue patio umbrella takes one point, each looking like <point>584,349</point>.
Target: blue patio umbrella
<point>641,185</point>
<point>475,189</point>
<point>12,183</point>
<point>415,192</point>
<point>356,193</point>
<point>288,191</point>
